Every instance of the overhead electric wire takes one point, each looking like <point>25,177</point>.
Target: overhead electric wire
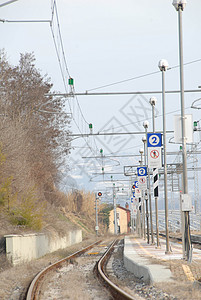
<point>137,122</point>
<point>55,12</point>
<point>122,81</point>
<point>141,76</point>
<point>54,9</point>
<point>24,21</point>
<point>7,3</point>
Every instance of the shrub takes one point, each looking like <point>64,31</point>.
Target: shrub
<point>29,212</point>
<point>6,196</point>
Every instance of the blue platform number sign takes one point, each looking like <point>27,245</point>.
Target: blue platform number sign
<point>142,171</point>
<point>136,184</point>
<point>154,140</point>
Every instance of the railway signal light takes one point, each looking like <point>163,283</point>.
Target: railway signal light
<point>70,81</point>
<point>91,128</point>
<point>195,125</point>
<point>99,194</point>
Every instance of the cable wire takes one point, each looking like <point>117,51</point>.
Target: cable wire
<point>6,3</point>
<point>55,13</point>
<point>142,76</point>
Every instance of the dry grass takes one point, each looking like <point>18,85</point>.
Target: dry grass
<point>15,280</point>
<point>181,290</point>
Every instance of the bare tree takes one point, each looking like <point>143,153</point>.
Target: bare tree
<point>34,128</point>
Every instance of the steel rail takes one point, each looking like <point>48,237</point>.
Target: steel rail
<point>116,292</point>
<point>195,239</point>
<point>34,287</point>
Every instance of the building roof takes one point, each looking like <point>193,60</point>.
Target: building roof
<point>126,209</point>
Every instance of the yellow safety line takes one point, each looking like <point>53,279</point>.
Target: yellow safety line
<point>186,268</point>
<point>175,249</point>
<point>150,254</point>
<point>143,247</point>
<point>188,273</point>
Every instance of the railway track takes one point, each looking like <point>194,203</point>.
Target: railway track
<point>36,286</point>
<point>34,289</point>
<point>95,257</point>
<point>195,239</point>
<point>116,292</point>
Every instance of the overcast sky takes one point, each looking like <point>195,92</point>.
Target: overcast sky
<point>107,42</point>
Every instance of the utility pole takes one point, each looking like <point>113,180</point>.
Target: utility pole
<point>179,6</point>
<point>163,65</point>
<point>132,219</point>
<point>146,125</point>
<point>96,210</point>
<point>144,139</point>
<point>114,206</point>
<point>142,199</point>
<point>153,101</point>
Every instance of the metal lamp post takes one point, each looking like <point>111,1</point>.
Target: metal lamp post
<point>179,6</point>
<point>115,210</point>
<point>142,198</point>
<point>146,125</point>
<point>114,206</point>
<point>153,102</point>
<point>146,198</point>
<point>163,65</point>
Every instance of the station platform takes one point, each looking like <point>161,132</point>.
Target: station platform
<point>153,265</point>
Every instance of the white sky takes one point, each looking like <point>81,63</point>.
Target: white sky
<point>106,42</point>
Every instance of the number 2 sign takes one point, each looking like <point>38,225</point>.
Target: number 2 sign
<point>154,143</point>
<point>154,140</point>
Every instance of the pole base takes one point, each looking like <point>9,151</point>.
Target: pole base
<point>168,252</point>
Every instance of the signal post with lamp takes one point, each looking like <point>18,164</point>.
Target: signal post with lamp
<point>99,195</point>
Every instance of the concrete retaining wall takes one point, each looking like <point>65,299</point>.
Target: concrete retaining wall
<point>23,248</point>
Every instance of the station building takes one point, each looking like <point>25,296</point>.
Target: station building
<point>123,220</point>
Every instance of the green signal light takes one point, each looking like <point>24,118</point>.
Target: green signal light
<point>70,81</point>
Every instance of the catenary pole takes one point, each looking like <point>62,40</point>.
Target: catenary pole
<point>163,65</point>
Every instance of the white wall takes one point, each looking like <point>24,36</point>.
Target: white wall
<point>23,248</point>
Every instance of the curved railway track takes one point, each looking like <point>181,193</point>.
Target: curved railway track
<point>99,263</point>
<point>34,290</point>
<point>116,292</point>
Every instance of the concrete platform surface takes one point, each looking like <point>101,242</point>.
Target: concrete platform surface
<point>153,265</point>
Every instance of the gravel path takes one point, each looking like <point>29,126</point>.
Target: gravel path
<point>75,281</point>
